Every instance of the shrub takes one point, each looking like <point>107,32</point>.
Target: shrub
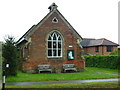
<point>108,61</point>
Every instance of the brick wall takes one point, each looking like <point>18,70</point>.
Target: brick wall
<point>38,49</point>
<point>102,50</point>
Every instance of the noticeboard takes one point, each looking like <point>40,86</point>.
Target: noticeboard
<point>70,54</point>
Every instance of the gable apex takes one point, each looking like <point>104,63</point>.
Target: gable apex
<point>52,7</point>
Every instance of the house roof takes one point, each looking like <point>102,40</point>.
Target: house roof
<point>53,8</point>
<point>87,42</point>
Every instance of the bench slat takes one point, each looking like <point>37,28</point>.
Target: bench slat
<point>69,67</point>
<point>45,67</point>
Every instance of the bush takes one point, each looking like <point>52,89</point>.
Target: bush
<point>109,61</point>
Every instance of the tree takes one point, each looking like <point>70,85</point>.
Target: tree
<point>10,56</point>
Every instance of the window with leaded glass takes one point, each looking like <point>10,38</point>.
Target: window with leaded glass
<point>54,45</point>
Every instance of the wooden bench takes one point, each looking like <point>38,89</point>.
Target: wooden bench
<point>45,67</point>
<point>69,67</point>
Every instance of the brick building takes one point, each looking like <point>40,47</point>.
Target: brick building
<point>98,46</point>
<point>52,41</point>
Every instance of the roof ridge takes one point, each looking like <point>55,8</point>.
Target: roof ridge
<point>102,40</point>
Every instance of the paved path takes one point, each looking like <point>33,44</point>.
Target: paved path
<point>58,82</point>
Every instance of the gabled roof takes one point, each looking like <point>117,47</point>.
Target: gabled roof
<point>34,27</point>
<point>97,42</point>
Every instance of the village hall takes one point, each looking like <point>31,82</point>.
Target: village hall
<point>51,45</point>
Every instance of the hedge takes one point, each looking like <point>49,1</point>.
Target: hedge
<point>112,62</point>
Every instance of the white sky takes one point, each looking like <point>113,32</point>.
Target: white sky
<point>90,18</point>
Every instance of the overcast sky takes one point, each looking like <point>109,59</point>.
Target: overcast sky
<point>90,18</point>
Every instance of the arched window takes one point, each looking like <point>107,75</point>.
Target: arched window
<point>54,45</point>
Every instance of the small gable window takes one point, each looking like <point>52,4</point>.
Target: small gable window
<point>54,20</point>
<point>54,45</point>
<point>109,48</point>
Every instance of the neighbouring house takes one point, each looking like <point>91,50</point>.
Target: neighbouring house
<point>53,41</point>
<point>0,46</point>
<point>98,46</point>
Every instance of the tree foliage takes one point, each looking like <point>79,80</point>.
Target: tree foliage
<point>10,56</point>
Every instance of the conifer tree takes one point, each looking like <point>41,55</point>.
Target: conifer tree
<point>10,56</point>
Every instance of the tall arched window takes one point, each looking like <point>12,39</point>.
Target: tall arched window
<point>54,45</point>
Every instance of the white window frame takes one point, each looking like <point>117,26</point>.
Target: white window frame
<point>57,48</point>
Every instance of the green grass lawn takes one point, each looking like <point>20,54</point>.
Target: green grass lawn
<point>90,73</point>
<point>110,84</point>
<point>103,70</point>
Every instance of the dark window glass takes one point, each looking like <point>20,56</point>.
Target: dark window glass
<point>54,53</point>
<point>109,48</point>
<point>97,48</point>
<point>49,38</point>
<point>49,52</point>
<point>59,38</point>
<point>59,44</point>
<point>59,52</point>
<point>49,44</point>
<point>54,20</point>
<point>54,37</point>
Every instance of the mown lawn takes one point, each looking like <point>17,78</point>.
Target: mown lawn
<point>110,84</point>
<point>90,73</point>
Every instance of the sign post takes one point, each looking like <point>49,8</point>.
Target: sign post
<point>3,81</point>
